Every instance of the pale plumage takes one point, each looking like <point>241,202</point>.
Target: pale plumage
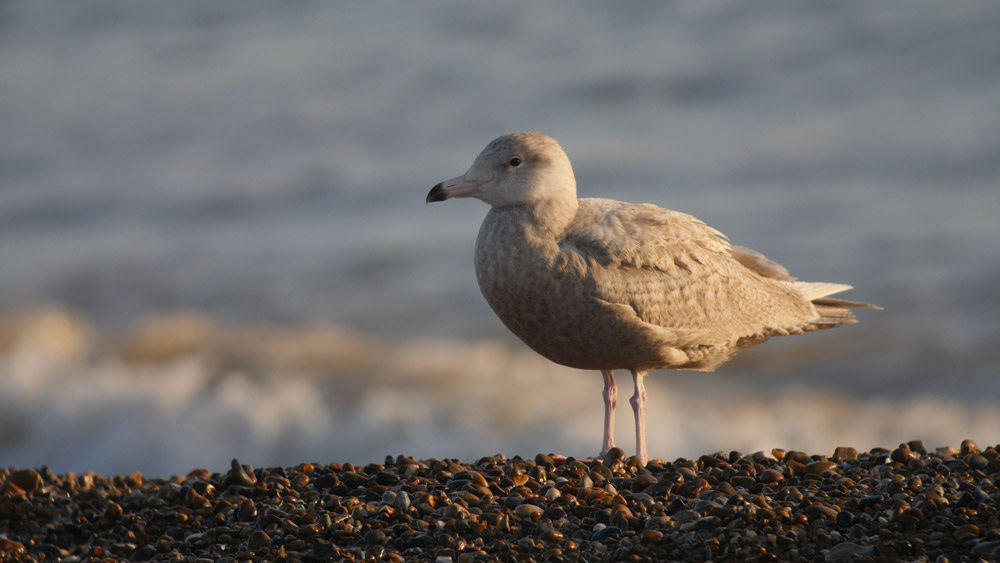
<point>602,284</point>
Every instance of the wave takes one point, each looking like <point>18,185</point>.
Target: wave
<point>181,392</point>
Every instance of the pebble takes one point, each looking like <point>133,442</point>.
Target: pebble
<point>818,467</point>
<point>908,503</point>
<point>770,476</point>
<point>240,475</point>
<point>848,551</point>
<point>25,479</point>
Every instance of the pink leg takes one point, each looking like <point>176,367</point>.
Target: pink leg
<point>610,395</point>
<point>638,402</point>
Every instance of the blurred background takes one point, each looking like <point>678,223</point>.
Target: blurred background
<point>214,242</point>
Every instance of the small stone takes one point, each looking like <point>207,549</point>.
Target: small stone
<point>554,513</point>
<point>911,516</point>
<point>978,461</point>
<point>519,480</point>
<point>845,453</point>
<point>873,501</point>
<point>25,479</point>
<point>240,476</point>
<point>917,446</point>
<point>526,510</point>
<point>326,482</point>
<point>544,460</point>
<point>247,510</point>
<point>553,536</point>
<point>848,551</point>
<point>375,537</point>
<point>11,548</point>
<point>686,515</point>
<point>402,502</point>
<point>652,537</point>
<point>354,480</point>
<point>645,478</point>
<point>258,540</point>
<point>970,447</point>
<point>770,476</point>
<point>297,545</point>
<point>818,467</point>
<point>901,454</point>
<point>986,548</point>
<point>134,479</point>
<point>606,534</point>
<point>817,511</point>
<point>965,533</point>
<point>420,541</point>
<point>613,455</point>
<point>386,478</point>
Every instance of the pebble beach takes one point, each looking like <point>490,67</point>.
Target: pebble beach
<point>907,503</point>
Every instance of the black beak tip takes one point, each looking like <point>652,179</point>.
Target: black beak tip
<point>437,193</point>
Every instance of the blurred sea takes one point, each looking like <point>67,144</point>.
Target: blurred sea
<point>214,242</point>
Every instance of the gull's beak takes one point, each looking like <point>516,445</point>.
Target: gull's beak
<point>456,187</point>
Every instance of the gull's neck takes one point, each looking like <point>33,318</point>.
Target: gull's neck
<point>548,218</point>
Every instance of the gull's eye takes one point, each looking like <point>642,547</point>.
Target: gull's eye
<point>515,162</point>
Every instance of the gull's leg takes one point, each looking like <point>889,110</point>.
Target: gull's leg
<point>610,395</point>
<point>638,402</point>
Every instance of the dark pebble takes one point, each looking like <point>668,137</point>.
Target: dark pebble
<point>770,476</point>
<point>258,540</point>
<point>554,513</point>
<point>845,453</point>
<point>978,461</point>
<point>818,467</point>
<point>25,479</point>
<point>420,541</point>
<point>870,501</point>
<point>902,454</point>
<point>247,510</point>
<point>969,447</point>
<point>742,481</point>
<point>545,460</point>
<point>354,480</point>
<point>240,476</point>
<point>917,446</point>
<point>606,534</point>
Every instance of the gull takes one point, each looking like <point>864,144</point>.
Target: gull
<point>599,284</point>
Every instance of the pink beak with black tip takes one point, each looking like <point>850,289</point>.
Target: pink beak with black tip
<point>456,187</point>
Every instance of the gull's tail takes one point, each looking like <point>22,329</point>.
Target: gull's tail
<point>832,312</point>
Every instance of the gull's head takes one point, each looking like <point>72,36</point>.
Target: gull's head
<point>520,168</point>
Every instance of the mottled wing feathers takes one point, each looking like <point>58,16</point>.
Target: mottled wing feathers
<point>760,264</point>
<point>640,236</point>
<point>677,272</point>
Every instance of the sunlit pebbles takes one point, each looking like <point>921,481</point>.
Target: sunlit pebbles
<point>903,503</point>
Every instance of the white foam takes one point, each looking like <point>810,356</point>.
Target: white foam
<point>424,398</point>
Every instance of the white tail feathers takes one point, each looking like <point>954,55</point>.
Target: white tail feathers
<point>817,290</point>
<point>832,312</point>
